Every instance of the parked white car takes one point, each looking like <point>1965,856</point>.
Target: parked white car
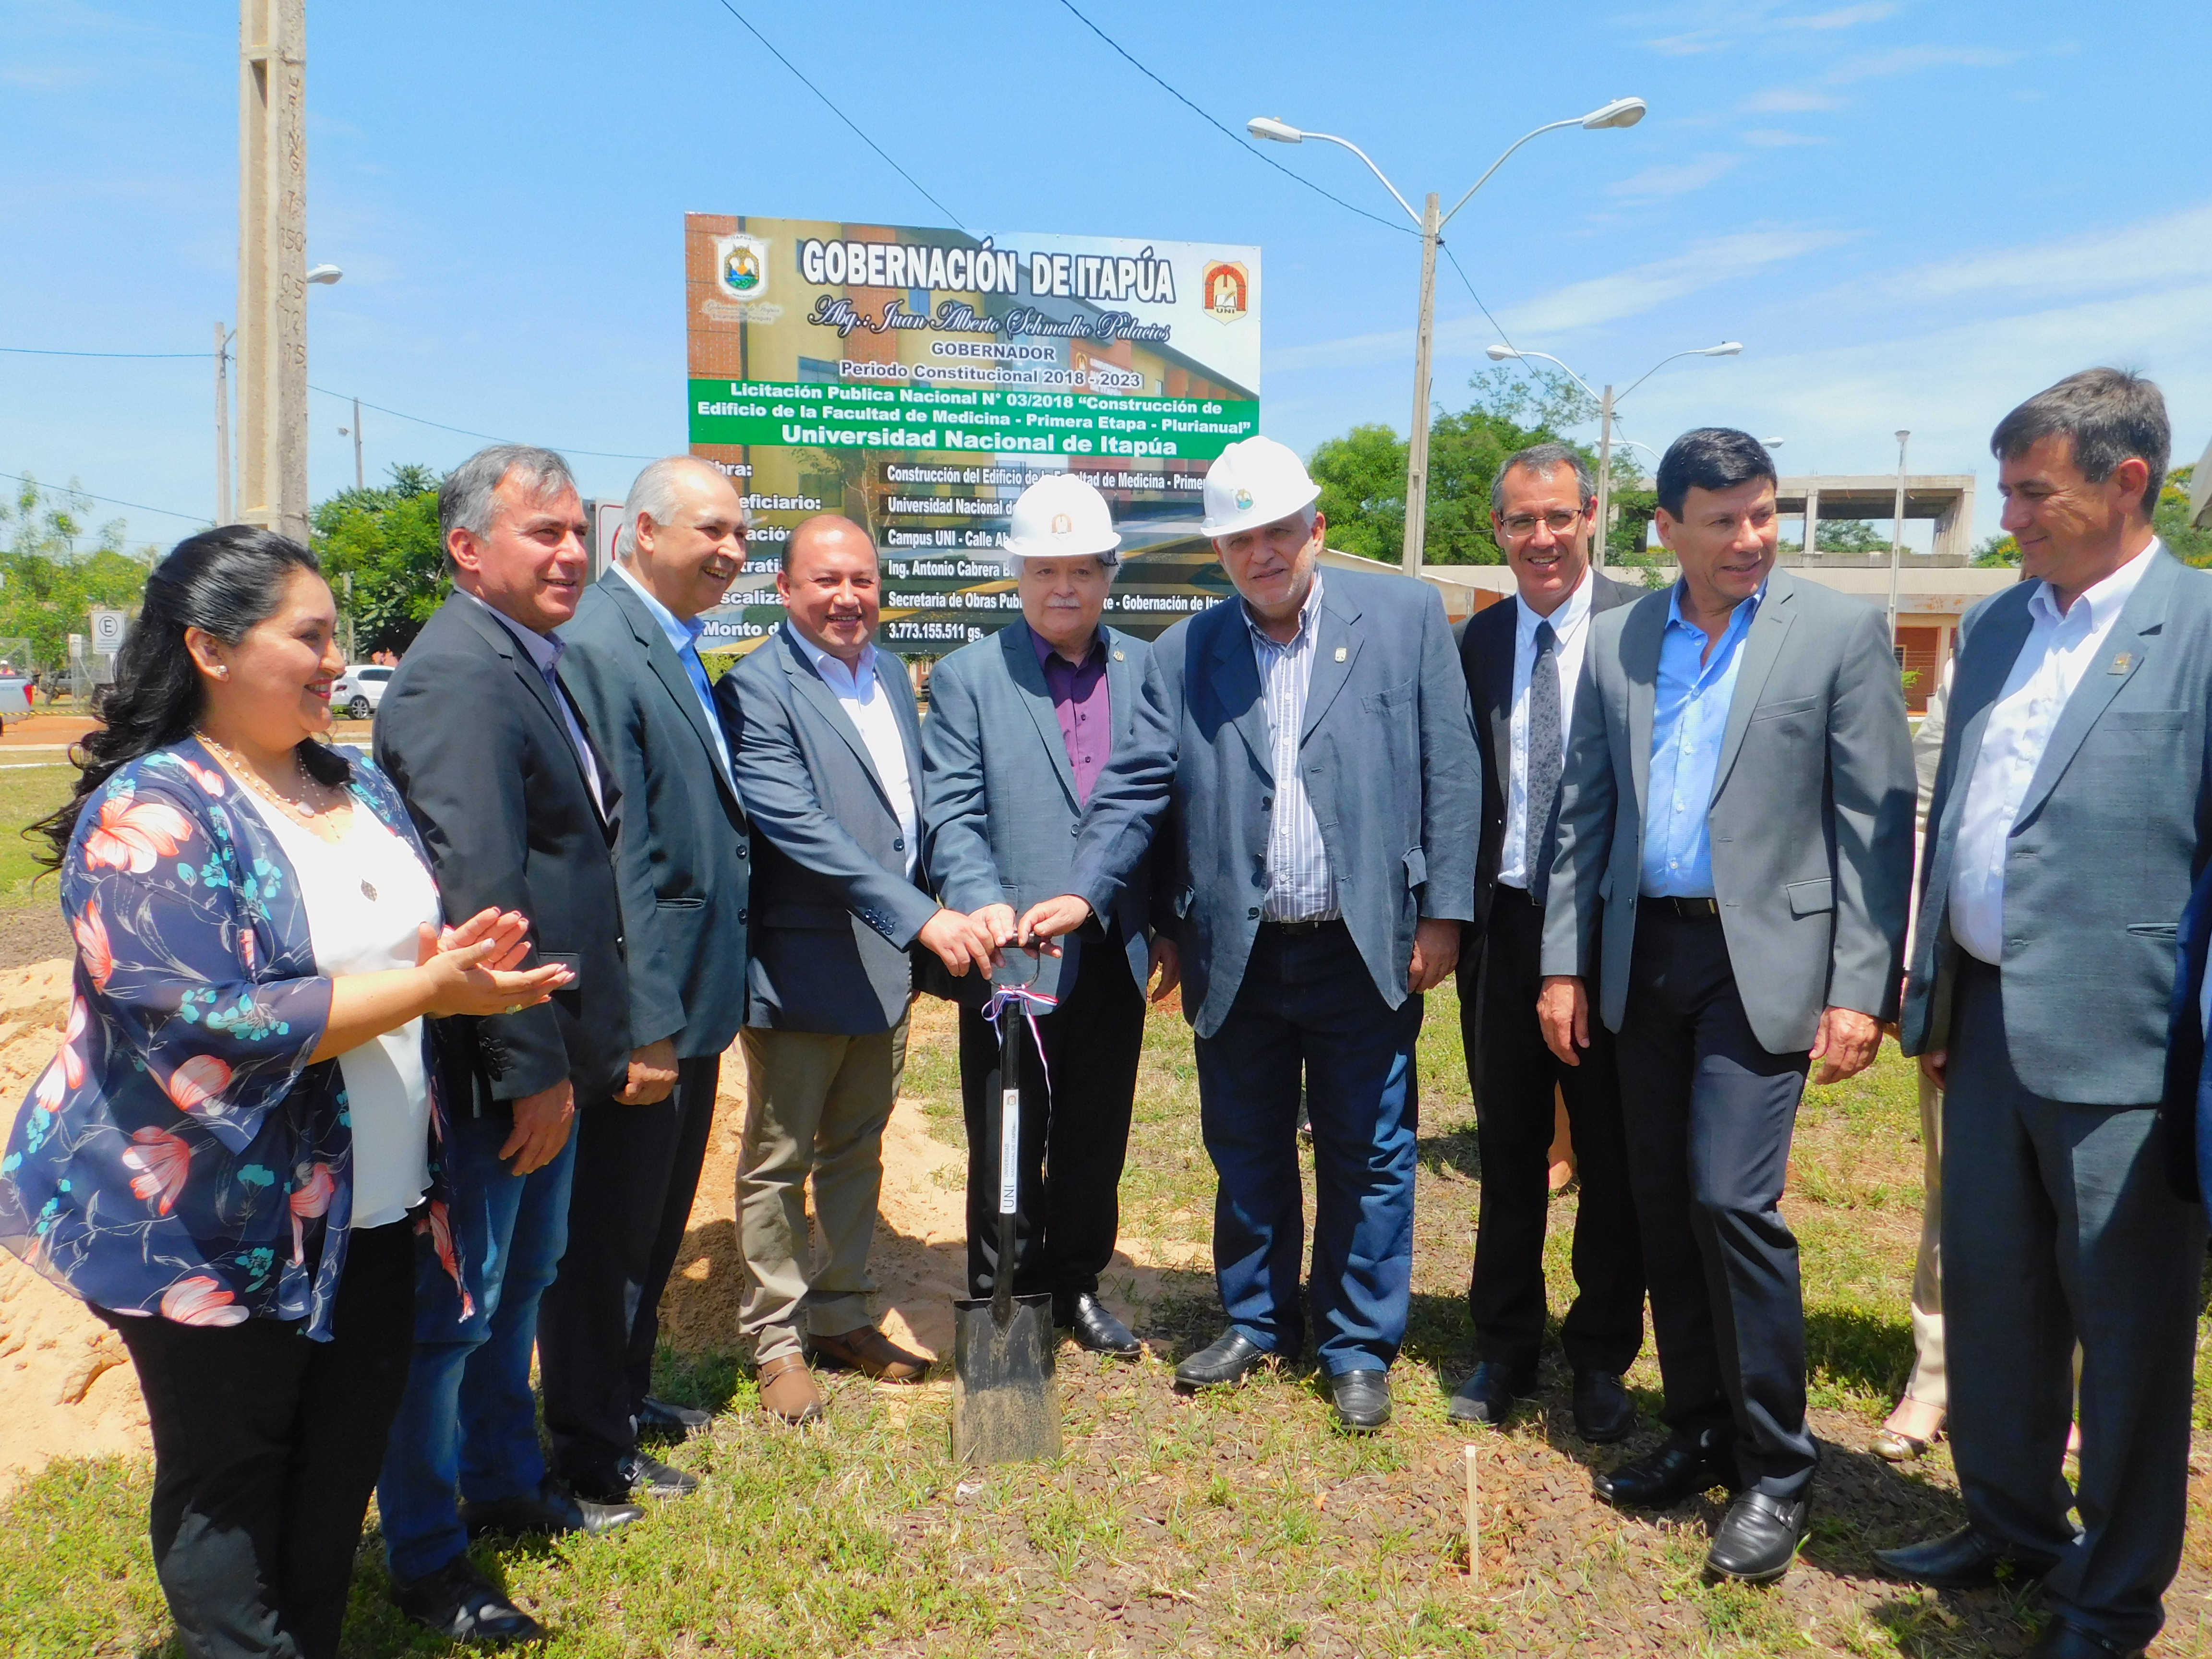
<point>359,689</point>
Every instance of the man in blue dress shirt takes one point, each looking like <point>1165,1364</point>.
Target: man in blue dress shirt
<point>1738,803</point>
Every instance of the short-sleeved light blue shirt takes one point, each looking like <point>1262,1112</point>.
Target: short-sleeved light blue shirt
<point>1689,719</point>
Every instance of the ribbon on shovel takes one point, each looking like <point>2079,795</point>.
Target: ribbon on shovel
<point>1029,1002</point>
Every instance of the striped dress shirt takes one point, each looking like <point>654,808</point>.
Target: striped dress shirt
<point>1300,885</point>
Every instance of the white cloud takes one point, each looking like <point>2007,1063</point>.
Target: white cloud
<point>1910,60</point>
<point>1790,101</point>
<point>1658,184</point>
<point>2170,249</point>
<point>1715,26</point>
<point>1546,321</point>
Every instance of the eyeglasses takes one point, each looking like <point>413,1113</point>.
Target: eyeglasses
<point>1557,522</point>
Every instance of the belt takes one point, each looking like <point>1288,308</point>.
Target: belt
<point>1313,927</point>
<point>1521,893</point>
<point>1681,909</point>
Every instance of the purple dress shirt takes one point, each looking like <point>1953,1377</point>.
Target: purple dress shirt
<point>1079,698</point>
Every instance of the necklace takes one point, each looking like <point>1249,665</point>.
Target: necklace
<point>302,804</point>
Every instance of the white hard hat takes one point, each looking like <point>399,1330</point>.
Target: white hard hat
<point>1253,482</point>
<point>1061,516</point>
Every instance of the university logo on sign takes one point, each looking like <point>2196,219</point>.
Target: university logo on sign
<point>741,266</point>
<point>1228,291</point>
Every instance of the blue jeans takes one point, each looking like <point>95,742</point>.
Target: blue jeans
<point>468,1421</point>
<point>1308,1008</point>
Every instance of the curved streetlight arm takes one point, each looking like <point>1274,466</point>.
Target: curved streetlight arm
<point>1569,373</point>
<point>1372,168</point>
<point>1549,126</point>
<point>1696,351</point>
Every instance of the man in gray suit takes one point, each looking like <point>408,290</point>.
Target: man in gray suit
<point>829,767</point>
<point>2069,820</point>
<point>1308,754</point>
<point>1738,805</point>
<point>681,860</point>
<point>1020,726</point>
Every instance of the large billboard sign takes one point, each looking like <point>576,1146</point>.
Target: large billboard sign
<point>917,380</point>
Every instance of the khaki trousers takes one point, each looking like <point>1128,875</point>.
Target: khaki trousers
<point>1927,1385</point>
<point>814,1106</point>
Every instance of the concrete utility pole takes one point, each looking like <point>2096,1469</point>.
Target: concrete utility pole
<point>272,265</point>
<point>222,424</point>
<point>1604,526</point>
<point>1897,537</point>
<point>1416,453</point>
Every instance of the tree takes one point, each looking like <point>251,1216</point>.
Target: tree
<point>1362,474</point>
<point>2170,520</point>
<point>48,586</point>
<point>1999,549</point>
<point>386,539</point>
<point>1848,535</point>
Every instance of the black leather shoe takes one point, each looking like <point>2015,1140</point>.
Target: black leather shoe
<point>1095,1326</point>
<point>1231,1358</point>
<point>549,1509</point>
<point>665,1417</point>
<point>1487,1398</point>
<point>1659,1479</point>
<point>1758,1538</point>
<point>1965,1559</point>
<point>638,1475</point>
<point>1363,1399</point>
<point>462,1605</point>
<point>1603,1411</point>
<point>2062,1640</point>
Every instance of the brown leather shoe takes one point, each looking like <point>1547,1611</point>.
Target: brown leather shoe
<point>869,1351</point>
<point>787,1390</point>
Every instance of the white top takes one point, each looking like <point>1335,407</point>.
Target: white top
<point>1569,625</point>
<point>869,708</point>
<point>387,1097</point>
<point>2060,648</point>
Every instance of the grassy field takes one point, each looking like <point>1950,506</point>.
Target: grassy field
<point>1240,1523</point>
<point>29,791</point>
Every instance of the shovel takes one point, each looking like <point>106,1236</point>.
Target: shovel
<point>1006,1407</point>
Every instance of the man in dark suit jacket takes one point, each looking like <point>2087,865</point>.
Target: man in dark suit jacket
<point>1737,814</point>
<point>2069,818</point>
<point>1522,659</point>
<point>1308,754</point>
<point>514,807</point>
<point>1020,725</point>
<point>682,863</point>
<point>828,765</point>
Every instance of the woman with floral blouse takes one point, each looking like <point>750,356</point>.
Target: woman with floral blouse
<point>234,1154</point>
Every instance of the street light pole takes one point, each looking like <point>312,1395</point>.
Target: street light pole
<point>1606,400</point>
<point>356,444</point>
<point>1417,456</point>
<point>1897,537</point>
<point>1619,113</point>
<point>222,424</point>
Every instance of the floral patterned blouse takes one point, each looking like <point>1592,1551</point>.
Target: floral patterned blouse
<point>180,1157</point>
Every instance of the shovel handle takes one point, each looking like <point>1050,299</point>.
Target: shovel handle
<point>1010,1160</point>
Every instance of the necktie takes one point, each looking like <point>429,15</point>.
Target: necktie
<point>1543,761</point>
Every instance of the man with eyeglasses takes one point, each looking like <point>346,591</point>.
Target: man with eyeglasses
<point>1522,659</point>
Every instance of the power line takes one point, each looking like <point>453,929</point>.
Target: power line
<point>465,432</point>
<point>35,351</point>
<point>135,507</point>
<point>1250,148</point>
<point>1477,298</point>
<point>840,115</point>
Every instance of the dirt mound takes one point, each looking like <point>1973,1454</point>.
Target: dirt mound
<point>66,1386</point>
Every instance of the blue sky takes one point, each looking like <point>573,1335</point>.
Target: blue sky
<point>1913,214</point>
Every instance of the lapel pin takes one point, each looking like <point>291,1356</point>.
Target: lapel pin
<point>1117,656</point>
<point>2121,662</point>
<point>1341,654</point>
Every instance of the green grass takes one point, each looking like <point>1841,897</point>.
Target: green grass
<point>28,792</point>
<point>1238,1522</point>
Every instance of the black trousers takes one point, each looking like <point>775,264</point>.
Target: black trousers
<point>1075,1136</point>
<point>637,1171</point>
<point>1604,1328</point>
<point>1709,1116</point>
<point>266,1447</point>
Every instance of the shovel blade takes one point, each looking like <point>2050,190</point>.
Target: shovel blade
<point>1006,1405</point>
